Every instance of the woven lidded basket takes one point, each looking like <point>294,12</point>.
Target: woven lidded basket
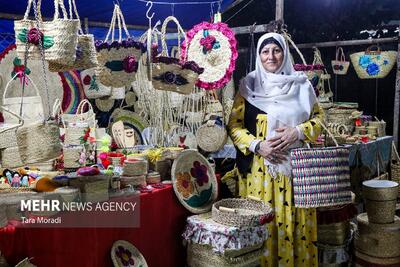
<point>135,167</point>
<point>211,136</point>
<point>135,181</point>
<point>92,188</point>
<point>241,212</point>
<point>72,157</point>
<point>395,166</point>
<point>333,234</point>
<point>203,256</point>
<point>363,260</point>
<point>153,178</point>
<point>379,240</point>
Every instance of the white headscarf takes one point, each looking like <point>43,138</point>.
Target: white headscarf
<point>286,95</point>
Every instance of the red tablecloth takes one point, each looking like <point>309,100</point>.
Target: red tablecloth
<point>162,220</point>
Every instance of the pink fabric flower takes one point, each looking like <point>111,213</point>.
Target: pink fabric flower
<point>34,35</point>
<point>208,42</point>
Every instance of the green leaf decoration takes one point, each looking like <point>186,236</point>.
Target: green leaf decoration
<point>22,36</point>
<point>17,61</point>
<point>48,42</point>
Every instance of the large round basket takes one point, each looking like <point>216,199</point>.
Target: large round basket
<point>213,47</point>
<point>194,181</point>
<point>125,254</point>
<point>241,212</point>
<point>211,137</point>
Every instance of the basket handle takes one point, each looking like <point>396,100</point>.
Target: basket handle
<point>227,209</point>
<point>369,50</point>
<point>287,37</point>
<point>21,120</point>
<point>28,10</point>
<point>329,133</point>
<point>164,51</point>
<point>340,54</point>
<point>317,57</point>
<point>117,15</point>
<point>23,80</point>
<point>59,4</point>
<point>79,109</point>
<point>396,153</point>
<point>74,11</point>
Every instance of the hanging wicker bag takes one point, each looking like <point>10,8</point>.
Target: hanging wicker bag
<point>372,64</point>
<point>85,50</point>
<point>81,116</point>
<point>11,157</point>
<point>168,73</point>
<point>8,137</point>
<point>212,135</point>
<point>92,87</point>
<point>340,66</point>
<point>118,60</point>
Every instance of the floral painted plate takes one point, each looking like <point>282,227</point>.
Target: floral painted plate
<point>124,254</point>
<point>194,181</point>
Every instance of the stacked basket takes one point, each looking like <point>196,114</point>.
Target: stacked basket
<point>377,240</point>
<point>134,172</point>
<point>232,235</point>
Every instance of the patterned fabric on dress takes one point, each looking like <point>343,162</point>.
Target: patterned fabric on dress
<point>293,233</point>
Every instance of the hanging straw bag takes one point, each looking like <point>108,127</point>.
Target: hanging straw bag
<point>321,176</point>
<point>212,135</point>
<point>32,106</point>
<point>118,60</point>
<point>8,132</point>
<point>27,27</point>
<point>89,116</point>
<point>85,50</point>
<point>373,63</point>
<point>168,73</point>
<point>91,85</point>
<point>340,66</point>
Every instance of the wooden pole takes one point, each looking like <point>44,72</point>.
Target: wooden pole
<point>397,98</point>
<point>279,10</point>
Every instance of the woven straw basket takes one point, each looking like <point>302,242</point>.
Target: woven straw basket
<point>153,178</point>
<point>373,64</point>
<point>321,176</point>
<point>3,216</point>
<point>380,126</point>
<point>340,66</point>
<point>135,181</point>
<point>378,240</point>
<point>72,155</point>
<point>135,167</point>
<point>333,234</point>
<point>39,142</point>
<point>25,263</point>
<point>124,247</point>
<point>68,194</point>
<point>11,157</point>
<point>211,136</point>
<point>118,61</point>
<point>92,87</point>
<point>8,133</point>
<point>203,256</point>
<point>74,135</point>
<point>363,260</point>
<point>395,165</point>
<point>92,188</point>
<point>240,212</point>
<point>80,116</point>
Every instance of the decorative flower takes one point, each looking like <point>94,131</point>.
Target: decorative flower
<point>373,69</point>
<point>34,35</point>
<point>129,64</point>
<point>266,218</point>
<point>209,42</point>
<point>169,77</point>
<point>125,256</point>
<point>86,80</point>
<point>19,68</point>
<point>184,184</point>
<point>200,173</point>
<point>385,62</point>
<point>364,61</point>
<point>85,137</point>
<point>338,67</point>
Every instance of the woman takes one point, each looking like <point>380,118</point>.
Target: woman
<point>275,110</point>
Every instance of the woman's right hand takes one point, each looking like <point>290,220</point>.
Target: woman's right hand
<point>269,151</point>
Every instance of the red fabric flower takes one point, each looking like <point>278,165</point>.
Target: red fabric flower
<point>266,218</point>
<point>129,64</point>
<point>208,42</point>
<point>86,80</point>
<point>34,35</point>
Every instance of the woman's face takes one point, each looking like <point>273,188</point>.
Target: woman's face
<point>271,57</point>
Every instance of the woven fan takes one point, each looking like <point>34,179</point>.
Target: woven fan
<point>213,47</point>
<point>125,254</point>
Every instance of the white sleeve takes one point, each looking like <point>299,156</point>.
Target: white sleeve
<point>253,145</point>
<point>300,134</point>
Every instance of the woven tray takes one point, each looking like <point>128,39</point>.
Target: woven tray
<point>211,137</point>
<point>125,254</point>
<point>194,181</point>
<point>241,212</point>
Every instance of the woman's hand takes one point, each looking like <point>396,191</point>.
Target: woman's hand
<point>286,137</point>
<point>268,150</point>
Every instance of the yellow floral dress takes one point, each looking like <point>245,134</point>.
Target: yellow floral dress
<point>293,232</point>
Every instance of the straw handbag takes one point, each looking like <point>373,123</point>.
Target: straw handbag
<point>118,60</point>
<point>340,66</point>
<point>85,51</point>
<point>92,87</point>
<point>31,106</point>
<point>212,135</point>
<point>74,157</point>
<point>168,73</point>
<point>321,176</point>
<point>8,132</point>
<point>373,63</point>
<point>25,27</point>
<point>88,117</point>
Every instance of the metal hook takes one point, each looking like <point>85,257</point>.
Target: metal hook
<point>148,10</point>
<point>219,6</point>
<point>116,2</point>
<point>173,9</point>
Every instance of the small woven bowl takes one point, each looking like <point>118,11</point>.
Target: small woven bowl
<point>241,212</point>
